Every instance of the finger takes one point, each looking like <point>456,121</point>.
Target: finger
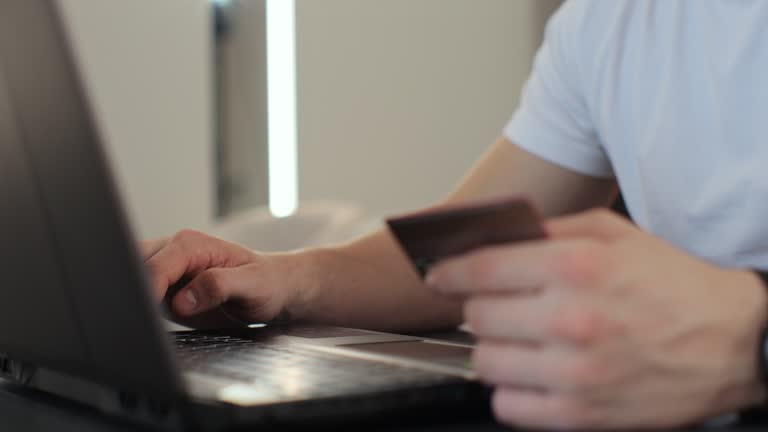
<point>513,364</point>
<point>238,288</point>
<point>168,265</point>
<point>507,268</point>
<point>550,368</point>
<point>599,224</point>
<point>189,253</point>
<point>148,248</point>
<point>519,268</point>
<point>510,318</point>
<point>541,410</point>
<point>551,318</point>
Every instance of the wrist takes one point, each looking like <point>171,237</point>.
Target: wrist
<point>303,282</point>
<point>749,389</point>
<point>743,314</point>
<point>761,277</point>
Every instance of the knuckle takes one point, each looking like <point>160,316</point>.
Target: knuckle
<point>577,326</point>
<point>581,267</point>
<point>186,236</point>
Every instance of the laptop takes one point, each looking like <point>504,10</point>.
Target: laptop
<point>76,315</point>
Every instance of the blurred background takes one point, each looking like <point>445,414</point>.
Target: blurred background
<point>211,109</point>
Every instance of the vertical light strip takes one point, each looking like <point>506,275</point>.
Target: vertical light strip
<point>281,106</point>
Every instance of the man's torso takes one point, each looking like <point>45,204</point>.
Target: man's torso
<point>678,94</point>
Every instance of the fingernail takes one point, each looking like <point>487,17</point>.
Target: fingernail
<point>191,298</point>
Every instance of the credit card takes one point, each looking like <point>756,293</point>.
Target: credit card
<point>427,237</point>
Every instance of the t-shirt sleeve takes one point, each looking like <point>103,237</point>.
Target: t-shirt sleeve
<point>553,120</point>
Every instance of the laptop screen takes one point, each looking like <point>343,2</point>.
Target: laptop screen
<point>73,293</point>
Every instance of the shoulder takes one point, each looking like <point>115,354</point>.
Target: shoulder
<point>590,38</point>
<point>593,15</point>
<point>578,36</point>
<point>588,22</point>
<point>594,25</point>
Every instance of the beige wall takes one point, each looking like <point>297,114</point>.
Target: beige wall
<point>397,98</point>
<point>147,66</point>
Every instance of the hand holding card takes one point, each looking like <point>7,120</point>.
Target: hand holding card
<point>435,234</point>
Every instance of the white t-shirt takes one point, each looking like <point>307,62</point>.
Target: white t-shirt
<point>671,98</point>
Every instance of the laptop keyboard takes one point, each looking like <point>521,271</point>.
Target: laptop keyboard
<point>293,371</point>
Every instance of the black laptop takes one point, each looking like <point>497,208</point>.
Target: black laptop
<point>76,315</point>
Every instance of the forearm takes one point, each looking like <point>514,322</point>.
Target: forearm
<point>369,284</point>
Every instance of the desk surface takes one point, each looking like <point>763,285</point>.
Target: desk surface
<point>30,411</point>
<point>23,409</point>
<point>27,410</point>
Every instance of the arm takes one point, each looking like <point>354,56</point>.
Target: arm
<point>369,283</point>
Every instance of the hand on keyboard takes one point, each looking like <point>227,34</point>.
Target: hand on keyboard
<point>206,282</point>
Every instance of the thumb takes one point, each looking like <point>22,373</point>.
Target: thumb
<point>600,224</point>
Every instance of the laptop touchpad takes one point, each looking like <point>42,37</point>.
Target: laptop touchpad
<point>448,355</point>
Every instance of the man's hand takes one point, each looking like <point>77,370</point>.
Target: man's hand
<point>208,282</point>
<point>605,326</point>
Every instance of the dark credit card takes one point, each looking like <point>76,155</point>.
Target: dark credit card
<point>431,235</point>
